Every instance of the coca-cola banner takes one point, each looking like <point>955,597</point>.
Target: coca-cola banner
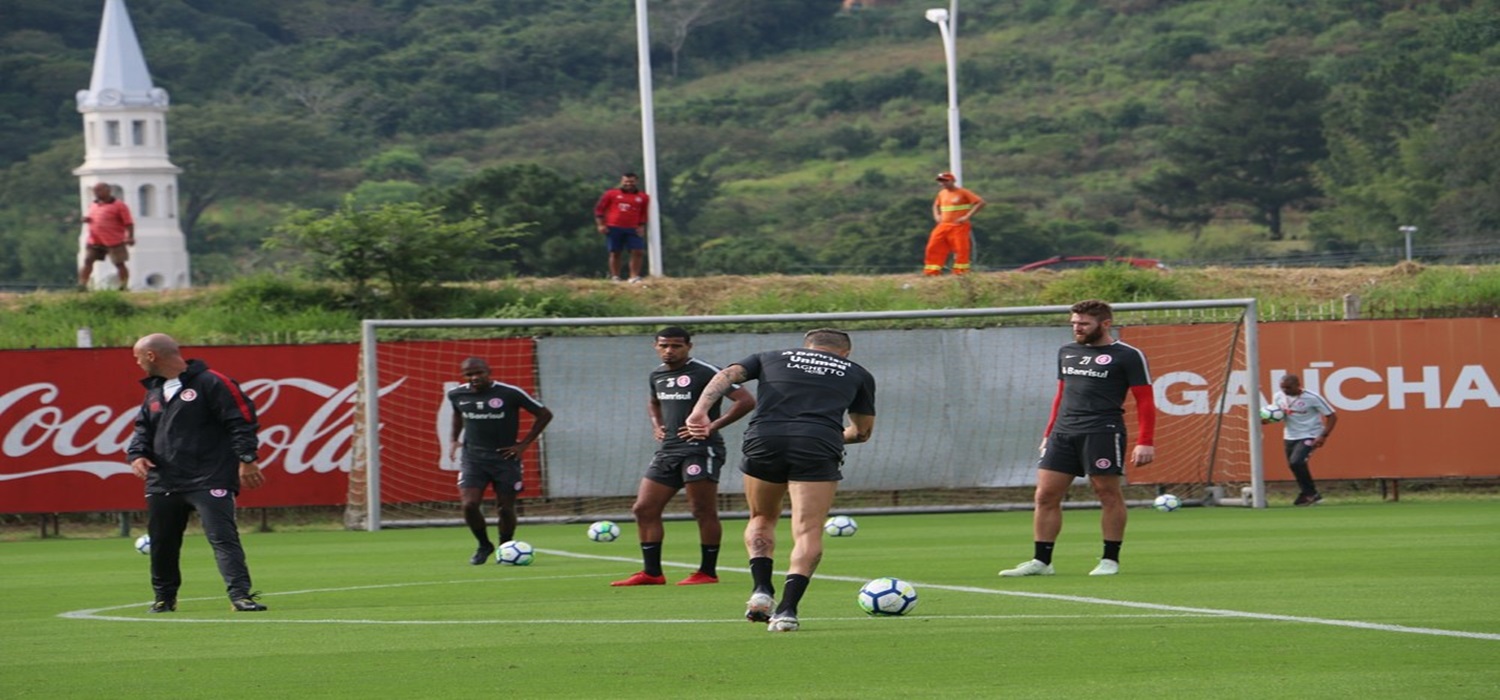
<point>66,417</point>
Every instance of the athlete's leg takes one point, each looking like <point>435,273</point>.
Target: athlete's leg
<point>811,501</point>
<point>1112,502</point>
<point>651,499</point>
<point>471,498</point>
<point>1051,489</point>
<point>505,500</point>
<point>216,513</point>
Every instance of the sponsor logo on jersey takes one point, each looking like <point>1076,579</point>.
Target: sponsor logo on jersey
<point>673,396</point>
<point>1085,372</point>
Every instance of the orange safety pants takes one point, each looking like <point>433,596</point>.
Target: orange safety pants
<point>948,238</point>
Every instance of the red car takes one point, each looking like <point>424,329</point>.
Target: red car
<point>1069,262</point>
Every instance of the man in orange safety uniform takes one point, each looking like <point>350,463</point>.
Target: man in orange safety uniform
<point>952,210</point>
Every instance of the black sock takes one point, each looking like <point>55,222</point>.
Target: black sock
<point>482,534</point>
<point>710,559</point>
<point>1044,551</point>
<point>651,557</point>
<point>760,576</point>
<point>1112,550</point>
<point>791,594</point>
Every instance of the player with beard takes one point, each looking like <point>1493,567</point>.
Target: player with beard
<point>682,461</point>
<point>1086,434</point>
<point>485,414</point>
<point>620,215</point>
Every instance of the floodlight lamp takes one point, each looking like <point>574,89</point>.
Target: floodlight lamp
<point>937,15</point>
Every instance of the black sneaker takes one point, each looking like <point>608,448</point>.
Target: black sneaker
<point>163,606</point>
<point>1316,498</point>
<point>1303,500</point>
<point>482,554</point>
<point>246,604</point>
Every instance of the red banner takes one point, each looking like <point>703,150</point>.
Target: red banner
<point>66,417</point>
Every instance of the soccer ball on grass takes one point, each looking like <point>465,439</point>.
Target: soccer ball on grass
<point>887,596</point>
<point>1272,413</point>
<point>515,553</point>
<point>604,531</point>
<point>143,544</point>
<point>840,526</point>
<point>1166,503</point>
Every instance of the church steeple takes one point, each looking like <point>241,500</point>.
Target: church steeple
<point>125,145</point>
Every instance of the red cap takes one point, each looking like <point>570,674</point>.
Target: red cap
<point>945,176</point>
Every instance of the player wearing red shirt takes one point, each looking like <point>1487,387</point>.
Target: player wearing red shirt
<point>952,210</point>
<point>111,232</point>
<point>620,215</point>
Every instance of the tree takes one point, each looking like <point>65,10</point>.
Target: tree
<point>559,211</point>
<point>233,150</point>
<point>681,17</point>
<point>1253,143</point>
<point>406,248</point>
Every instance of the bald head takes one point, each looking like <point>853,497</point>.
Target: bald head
<point>159,355</point>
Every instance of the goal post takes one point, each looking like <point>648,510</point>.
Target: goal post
<point>963,396</point>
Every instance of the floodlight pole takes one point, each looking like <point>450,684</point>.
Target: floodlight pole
<point>648,139</point>
<point>945,19</point>
<point>1408,231</point>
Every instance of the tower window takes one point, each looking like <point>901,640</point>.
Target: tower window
<point>147,193</point>
<point>112,132</point>
<point>138,132</point>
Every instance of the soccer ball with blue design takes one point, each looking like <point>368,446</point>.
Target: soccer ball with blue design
<point>887,596</point>
<point>1166,503</point>
<point>604,531</point>
<point>143,544</point>
<point>840,526</point>
<point>1272,413</point>
<point>515,553</point>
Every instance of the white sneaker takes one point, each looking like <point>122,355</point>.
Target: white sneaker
<point>785,623</point>
<point>1035,567</point>
<point>635,280</point>
<point>759,607</point>
<point>1106,567</point>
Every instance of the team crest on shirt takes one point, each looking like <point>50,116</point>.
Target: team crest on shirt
<point>218,493</point>
<point>684,380</point>
<point>188,395</point>
<point>1103,360</point>
<point>694,469</point>
<point>1101,464</point>
<point>496,402</point>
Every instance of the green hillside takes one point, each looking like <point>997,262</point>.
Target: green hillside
<point>793,137</point>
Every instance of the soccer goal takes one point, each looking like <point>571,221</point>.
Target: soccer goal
<point>963,397</point>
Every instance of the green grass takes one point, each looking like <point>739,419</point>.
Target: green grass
<point>1343,600</point>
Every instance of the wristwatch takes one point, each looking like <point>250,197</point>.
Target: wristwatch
<point>249,457</point>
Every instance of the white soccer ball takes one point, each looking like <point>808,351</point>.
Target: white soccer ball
<point>887,596</point>
<point>840,526</point>
<point>143,544</point>
<point>604,531</point>
<point>1166,503</point>
<point>1272,413</point>
<point>515,553</point>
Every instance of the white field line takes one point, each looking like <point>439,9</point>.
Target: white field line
<point>1157,609</point>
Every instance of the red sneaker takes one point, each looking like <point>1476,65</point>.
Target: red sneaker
<point>641,578</point>
<point>697,578</point>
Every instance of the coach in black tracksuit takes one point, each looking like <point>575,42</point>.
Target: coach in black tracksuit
<point>194,445</point>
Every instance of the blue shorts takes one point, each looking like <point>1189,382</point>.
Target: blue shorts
<point>618,239</point>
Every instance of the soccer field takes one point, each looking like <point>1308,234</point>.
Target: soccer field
<point>1374,600</point>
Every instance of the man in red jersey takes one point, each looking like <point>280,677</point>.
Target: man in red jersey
<point>620,215</point>
<point>111,232</point>
<point>952,210</point>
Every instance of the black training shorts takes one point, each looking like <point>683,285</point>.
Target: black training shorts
<point>779,459</point>
<point>1085,454</point>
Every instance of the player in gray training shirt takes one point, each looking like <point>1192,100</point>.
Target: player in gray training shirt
<point>794,445</point>
<point>1309,422</point>
<point>487,415</point>
<point>682,461</point>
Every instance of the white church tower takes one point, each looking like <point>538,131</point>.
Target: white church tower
<point>125,137</point>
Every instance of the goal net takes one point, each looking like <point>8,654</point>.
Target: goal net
<point>963,396</point>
